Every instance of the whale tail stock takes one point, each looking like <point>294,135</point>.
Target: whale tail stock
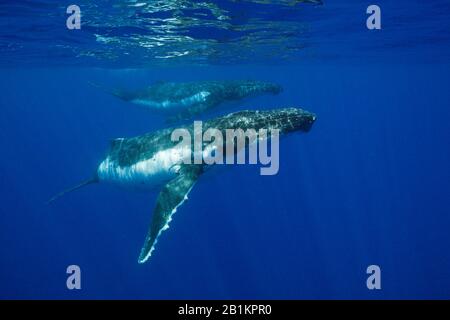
<point>78,186</point>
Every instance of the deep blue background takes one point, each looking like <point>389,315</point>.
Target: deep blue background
<point>370,184</point>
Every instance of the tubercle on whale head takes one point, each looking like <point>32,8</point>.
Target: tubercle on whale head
<point>286,120</point>
<point>296,119</point>
<point>269,87</point>
<point>258,86</point>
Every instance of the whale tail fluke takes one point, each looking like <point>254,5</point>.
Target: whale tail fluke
<point>78,186</point>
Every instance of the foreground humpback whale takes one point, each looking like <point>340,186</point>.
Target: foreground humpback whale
<point>182,100</point>
<point>153,159</point>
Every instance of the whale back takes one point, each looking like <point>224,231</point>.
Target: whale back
<point>128,151</point>
<point>286,120</point>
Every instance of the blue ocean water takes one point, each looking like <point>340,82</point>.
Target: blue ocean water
<point>369,184</point>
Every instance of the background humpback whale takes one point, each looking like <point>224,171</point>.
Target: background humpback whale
<point>153,159</point>
<point>182,100</point>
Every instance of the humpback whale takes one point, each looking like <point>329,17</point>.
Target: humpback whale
<point>154,159</point>
<point>182,100</point>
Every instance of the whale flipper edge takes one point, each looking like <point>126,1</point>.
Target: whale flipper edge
<point>172,195</point>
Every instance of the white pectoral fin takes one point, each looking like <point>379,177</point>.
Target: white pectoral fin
<point>173,194</point>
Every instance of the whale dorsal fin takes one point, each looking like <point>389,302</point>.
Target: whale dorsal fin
<point>172,195</point>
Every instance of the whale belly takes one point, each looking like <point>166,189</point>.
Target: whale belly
<point>147,173</point>
<point>173,105</point>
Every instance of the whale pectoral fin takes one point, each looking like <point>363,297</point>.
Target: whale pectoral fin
<point>173,194</point>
